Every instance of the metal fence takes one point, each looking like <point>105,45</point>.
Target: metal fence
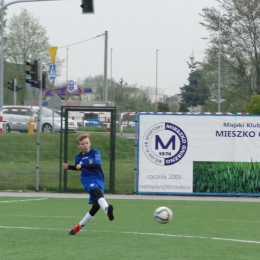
<point>19,153</point>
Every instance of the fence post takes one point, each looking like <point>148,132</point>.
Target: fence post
<point>1,122</point>
<point>108,125</point>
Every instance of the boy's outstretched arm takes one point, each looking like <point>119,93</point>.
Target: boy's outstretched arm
<point>69,167</point>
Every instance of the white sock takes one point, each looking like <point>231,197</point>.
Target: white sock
<point>85,220</point>
<point>103,204</point>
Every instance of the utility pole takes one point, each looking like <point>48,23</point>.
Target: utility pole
<point>219,55</point>
<point>156,85</point>
<point>105,69</point>
<point>15,86</point>
<point>219,58</point>
<point>2,60</point>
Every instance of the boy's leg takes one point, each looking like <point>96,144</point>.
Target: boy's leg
<point>94,209</point>
<point>110,212</point>
<point>86,219</point>
<point>108,209</point>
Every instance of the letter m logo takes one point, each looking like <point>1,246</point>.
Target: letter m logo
<point>159,141</point>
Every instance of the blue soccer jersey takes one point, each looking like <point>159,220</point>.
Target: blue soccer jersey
<point>92,157</point>
<point>91,178</point>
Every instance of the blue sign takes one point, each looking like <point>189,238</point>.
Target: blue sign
<point>72,86</point>
<point>52,71</point>
<point>92,122</point>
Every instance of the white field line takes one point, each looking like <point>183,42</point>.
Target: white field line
<point>6,201</point>
<point>139,233</point>
<point>182,236</point>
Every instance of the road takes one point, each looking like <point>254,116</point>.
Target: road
<point>130,136</point>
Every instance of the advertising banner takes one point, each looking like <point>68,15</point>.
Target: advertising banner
<point>62,91</point>
<point>198,154</point>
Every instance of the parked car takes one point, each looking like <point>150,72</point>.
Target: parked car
<point>4,130</point>
<point>16,118</point>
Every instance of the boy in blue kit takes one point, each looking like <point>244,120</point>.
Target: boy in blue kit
<point>88,161</point>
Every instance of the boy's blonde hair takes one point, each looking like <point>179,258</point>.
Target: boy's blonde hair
<point>81,137</point>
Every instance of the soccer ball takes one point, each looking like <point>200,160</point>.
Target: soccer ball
<point>163,215</point>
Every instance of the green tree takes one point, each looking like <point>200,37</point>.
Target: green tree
<point>239,48</point>
<point>125,97</point>
<point>97,85</point>
<point>25,40</point>
<point>253,106</point>
<point>172,103</point>
<point>162,107</point>
<point>196,92</point>
<point>139,100</point>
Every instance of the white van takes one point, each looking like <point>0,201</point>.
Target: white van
<point>16,118</point>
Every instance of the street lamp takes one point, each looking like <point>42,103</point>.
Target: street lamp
<point>219,54</point>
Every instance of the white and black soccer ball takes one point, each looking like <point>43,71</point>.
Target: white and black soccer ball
<point>163,215</point>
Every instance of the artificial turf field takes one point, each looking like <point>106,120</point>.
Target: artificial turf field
<point>37,228</point>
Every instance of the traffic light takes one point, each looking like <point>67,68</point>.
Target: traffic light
<point>43,80</point>
<point>18,88</point>
<point>87,6</point>
<point>13,87</point>
<point>33,72</point>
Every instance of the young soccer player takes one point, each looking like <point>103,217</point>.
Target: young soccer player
<point>88,161</point>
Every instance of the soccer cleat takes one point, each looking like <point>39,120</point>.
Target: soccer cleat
<point>75,230</point>
<point>110,212</point>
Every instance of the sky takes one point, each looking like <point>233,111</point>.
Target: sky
<point>149,41</point>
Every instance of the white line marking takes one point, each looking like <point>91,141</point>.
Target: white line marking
<point>139,233</point>
<point>182,236</point>
<point>6,201</point>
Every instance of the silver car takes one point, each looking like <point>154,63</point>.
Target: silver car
<point>16,118</point>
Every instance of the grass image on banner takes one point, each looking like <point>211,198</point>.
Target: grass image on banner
<point>226,177</point>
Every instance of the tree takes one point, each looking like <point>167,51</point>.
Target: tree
<point>25,40</point>
<point>240,48</point>
<point>97,85</point>
<point>4,23</point>
<point>139,100</point>
<point>123,95</point>
<point>172,102</point>
<point>126,97</point>
<point>253,106</point>
<point>166,104</point>
<point>196,92</point>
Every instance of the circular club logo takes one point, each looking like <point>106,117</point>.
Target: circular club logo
<point>164,144</point>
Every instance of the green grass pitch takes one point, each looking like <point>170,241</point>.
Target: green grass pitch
<point>38,228</point>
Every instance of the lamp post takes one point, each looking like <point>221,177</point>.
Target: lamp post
<point>2,60</point>
<point>219,55</point>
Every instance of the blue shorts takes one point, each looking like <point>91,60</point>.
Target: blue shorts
<point>89,185</point>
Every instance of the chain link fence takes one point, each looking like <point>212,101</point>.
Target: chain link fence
<point>19,152</point>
